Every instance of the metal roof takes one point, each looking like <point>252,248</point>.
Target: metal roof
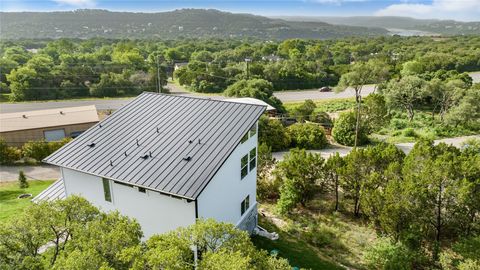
<point>172,144</point>
<point>55,191</point>
<point>47,118</point>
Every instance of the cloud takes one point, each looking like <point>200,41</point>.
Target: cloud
<point>337,2</point>
<point>463,10</point>
<point>76,3</point>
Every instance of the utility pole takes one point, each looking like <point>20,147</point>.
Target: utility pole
<point>159,84</point>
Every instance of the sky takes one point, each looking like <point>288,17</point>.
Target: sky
<point>462,10</point>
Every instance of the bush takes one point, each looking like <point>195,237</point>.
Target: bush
<point>409,132</point>
<point>386,255</point>
<point>322,118</point>
<point>344,130</point>
<point>22,180</point>
<point>307,136</point>
<point>39,150</point>
<point>8,154</point>
<point>273,133</point>
<point>321,235</point>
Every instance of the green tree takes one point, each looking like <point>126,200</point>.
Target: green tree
<point>467,112</point>
<point>255,88</point>
<point>344,130</point>
<point>304,111</point>
<point>273,133</point>
<point>375,113</point>
<point>332,175</point>
<point>405,93</point>
<point>300,173</point>
<point>22,180</point>
<point>307,135</point>
<point>267,186</point>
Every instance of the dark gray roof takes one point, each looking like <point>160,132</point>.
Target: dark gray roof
<point>55,191</point>
<point>172,144</point>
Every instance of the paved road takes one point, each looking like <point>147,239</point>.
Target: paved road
<point>113,104</point>
<point>405,147</point>
<point>44,172</point>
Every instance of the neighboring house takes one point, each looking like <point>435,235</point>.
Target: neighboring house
<point>271,111</point>
<point>166,160</point>
<point>272,58</point>
<point>179,65</point>
<point>50,125</point>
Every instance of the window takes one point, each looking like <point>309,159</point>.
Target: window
<point>253,158</point>
<point>245,205</point>
<point>141,189</point>
<point>244,166</point>
<point>244,138</point>
<point>106,190</point>
<point>253,130</point>
<point>54,135</point>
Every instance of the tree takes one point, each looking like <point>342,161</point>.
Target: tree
<point>304,111</point>
<point>445,95</point>
<point>405,93</point>
<point>331,172</point>
<point>361,74</point>
<point>267,186</point>
<point>22,180</point>
<point>8,154</point>
<point>375,113</point>
<point>307,135</point>
<point>344,130</point>
<point>273,133</point>
<point>255,88</point>
<point>467,112</point>
<point>300,174</point>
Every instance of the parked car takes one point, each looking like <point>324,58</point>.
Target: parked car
<point>325,89</point>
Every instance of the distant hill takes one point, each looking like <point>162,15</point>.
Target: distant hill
<point>190,23</point>
<point>425,26</point>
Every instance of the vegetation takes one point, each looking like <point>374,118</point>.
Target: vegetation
<point>344,130</point>
<point>22,180</point>
<point>10,205</point>
<point>85,238</point>
<point>425,204</point>
<point>307,136</point>
<point>31,152</point>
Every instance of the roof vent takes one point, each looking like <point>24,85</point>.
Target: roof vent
<point>24,116</point>
<point>190,141</point>
<point>150,153</point>
<point>99,125</point>
<point>111,162</point>
<point>61,112</point>
<point>126,154</point>
<point>91,144</point>
<point>138,143</point>
<point>187,158</point>
<point>158,130</point>
<point>145,156</point>
<point>199,141</point>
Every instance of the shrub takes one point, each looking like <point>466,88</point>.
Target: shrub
<point>409,132</point>
<point>307,136</point>
<point>396,123</point>
<point>322,118</point>
<point>22,180</point>
<point>39,150</point>
<point>344,130</point>
<point>8,154</point>
<point>386,255</point>
<point>321,235</point>
<point>273,133</point>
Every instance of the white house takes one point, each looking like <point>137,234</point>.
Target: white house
<point>166,160</point>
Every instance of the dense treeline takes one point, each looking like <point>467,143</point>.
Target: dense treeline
<point>426,203</point>
<point>35,70</point>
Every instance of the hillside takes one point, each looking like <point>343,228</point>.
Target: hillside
<point>428,26</point>
<point>189,23</point>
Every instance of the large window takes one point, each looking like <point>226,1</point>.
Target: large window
<point>54,135</point>
<point>106,190</point>
<point>253,158</point>
<point>245,205</point>
<point>244,166</point>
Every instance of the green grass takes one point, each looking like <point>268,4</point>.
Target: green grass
<point>296,251</point>
<point>325,105</point>
<point>10,205</point>
<point>4,99</point>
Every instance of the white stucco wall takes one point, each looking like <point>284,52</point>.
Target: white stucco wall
<point>222,197</point>
<point>156,213</point>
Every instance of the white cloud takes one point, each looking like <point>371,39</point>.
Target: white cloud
<point>463,10</point>
<point>76,3</point>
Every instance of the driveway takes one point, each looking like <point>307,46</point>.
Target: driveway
<point>43,172</point>
<point>405,147</point>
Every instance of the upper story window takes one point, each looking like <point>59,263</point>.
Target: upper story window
<point>244,166</point>
<point>253,158</point>
<point>250,133</point>
<point>245,205</point>
<point>107,192</point>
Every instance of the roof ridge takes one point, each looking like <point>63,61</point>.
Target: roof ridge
<point>205,98</point>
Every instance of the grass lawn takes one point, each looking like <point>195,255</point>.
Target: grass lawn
<point>325,105</point>
<point>316,238</point>
<point>10,205</point>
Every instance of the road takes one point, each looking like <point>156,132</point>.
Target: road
<point>405,147</point>
<point>113,104</point>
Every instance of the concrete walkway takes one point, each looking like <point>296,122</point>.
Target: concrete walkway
<point>405,147</point>
<point>43,172</point>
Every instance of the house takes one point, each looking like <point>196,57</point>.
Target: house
<point>271,111</point>
<point>50,125</point>
<point>179,65</point>
<point>166,161</point>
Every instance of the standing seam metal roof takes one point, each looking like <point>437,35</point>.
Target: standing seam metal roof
<point>172,144</point>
